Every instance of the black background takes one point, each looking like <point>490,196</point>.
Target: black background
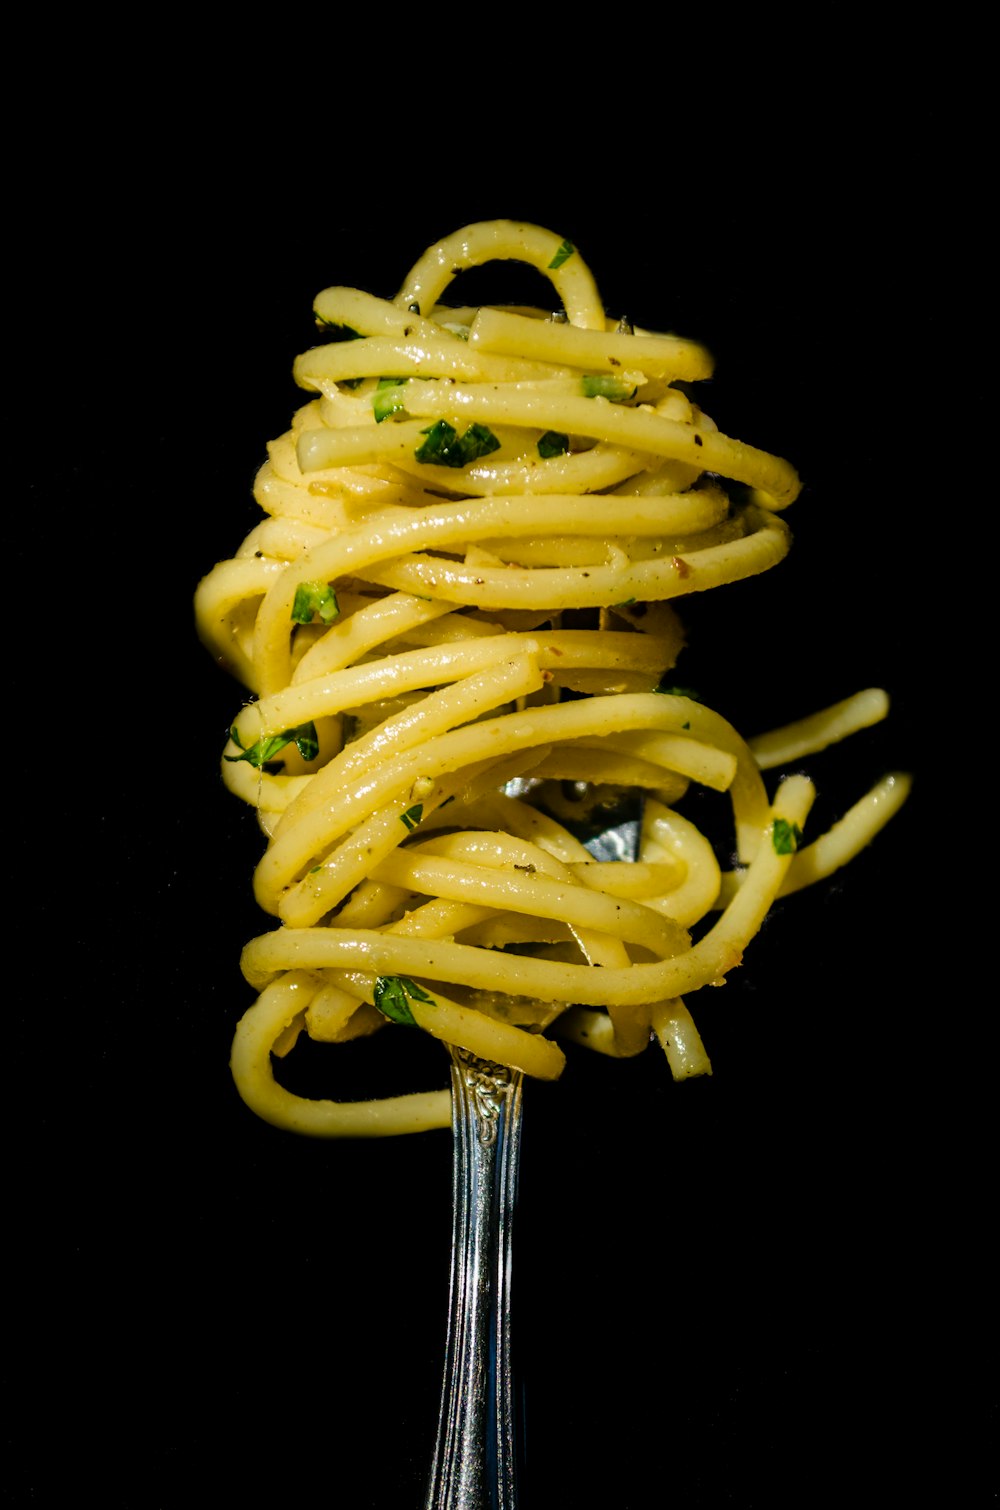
<point>748,1290</point>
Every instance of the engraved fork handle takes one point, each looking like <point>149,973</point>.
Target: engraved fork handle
<point>475,1457</point>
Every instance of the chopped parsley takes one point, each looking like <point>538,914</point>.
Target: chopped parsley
<point>315,597</point>
<point>563,254</point>
<point>391,993</point>
<point>674,691</point>
<point>260,754</point>
<point>596,385</point>
<point>338,332</point>
<point>387,398</point>
<point>785,836</point>
<point>412,816</point>
<point>444,446</point>
<point>552,443</point>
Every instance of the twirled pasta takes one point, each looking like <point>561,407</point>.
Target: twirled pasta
<point>455,621</point>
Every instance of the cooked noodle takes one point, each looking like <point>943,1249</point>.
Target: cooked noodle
<point>456,625</point>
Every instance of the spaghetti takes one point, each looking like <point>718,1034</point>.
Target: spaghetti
<point>456,623</point>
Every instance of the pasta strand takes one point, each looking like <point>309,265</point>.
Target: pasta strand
<point>455,624</point>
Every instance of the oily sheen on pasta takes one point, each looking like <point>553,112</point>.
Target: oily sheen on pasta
<point>456,624</point>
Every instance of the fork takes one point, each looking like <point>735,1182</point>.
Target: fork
<point>475,1456</point>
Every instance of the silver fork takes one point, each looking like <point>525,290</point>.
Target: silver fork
<point>475,1457</point>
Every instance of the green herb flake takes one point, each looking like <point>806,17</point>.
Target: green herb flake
<point>264,750</point>
<point>306,740</point>
<point>552,443</point>
<point>338,332</point>
<point>444,447</point>
<point>674,691</point>
<point>785,836</point>
<point>388,398</point>
<point>391,993</point>
<point>599,385</point>
<point>564,253</point>
<point>477,441</point>
<point>315,597</point>
<point>440,445</point>
<point>413,815</point>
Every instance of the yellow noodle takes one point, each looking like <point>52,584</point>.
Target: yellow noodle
<point>454,621</point>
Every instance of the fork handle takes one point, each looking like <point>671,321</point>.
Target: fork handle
<point>475,1457</point>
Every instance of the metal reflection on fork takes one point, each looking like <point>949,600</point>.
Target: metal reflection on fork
<point>475,1457</point>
